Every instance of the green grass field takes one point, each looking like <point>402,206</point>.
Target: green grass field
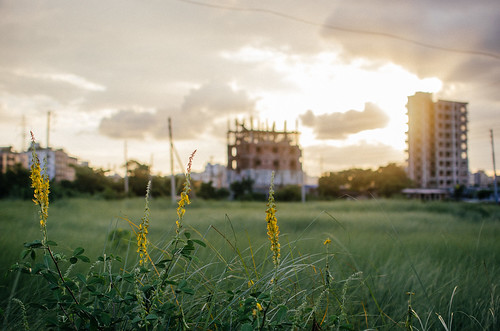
<point>447,254</point>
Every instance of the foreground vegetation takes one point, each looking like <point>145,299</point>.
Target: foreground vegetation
<point>356,265</point>
<point>445,254</point>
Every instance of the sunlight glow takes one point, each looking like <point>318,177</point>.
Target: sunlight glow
<point>325,84</point>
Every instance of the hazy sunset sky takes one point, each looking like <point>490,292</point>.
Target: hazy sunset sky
<point>111,71</point>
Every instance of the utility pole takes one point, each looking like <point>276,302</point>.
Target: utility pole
<point>126,169</point>
<point>172,175</point>
<point>494,167</point>
<point>23,145</point>
<point>48,128</point>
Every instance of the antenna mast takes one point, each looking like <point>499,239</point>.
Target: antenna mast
<point>494,167</point>
<point>48,128</point>
<point>23,145</point>
<point>126,169</point>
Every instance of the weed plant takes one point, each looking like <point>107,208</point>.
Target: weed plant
<point>277,276</point>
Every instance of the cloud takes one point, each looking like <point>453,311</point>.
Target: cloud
<point>127,124</point>
<point>459,34</point>
<point>340,125</point>
<point>198,114</point>
<point>72,79</point>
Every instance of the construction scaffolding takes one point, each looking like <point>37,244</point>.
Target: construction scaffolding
<point>256,152</point>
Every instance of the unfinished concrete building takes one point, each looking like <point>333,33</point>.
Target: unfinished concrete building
<point>437,142</point>
<point>255,153</point>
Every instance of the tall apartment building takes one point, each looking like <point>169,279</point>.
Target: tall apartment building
<point>437,142</point>
<point>255,153</point>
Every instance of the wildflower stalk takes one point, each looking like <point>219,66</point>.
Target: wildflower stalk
<point>142,232</point>
<point>181,206</point>
<point>273,236</point>
<point>23,313</point>
<point>40,184</point>
<point>272,225</point>
<point>327,267</point>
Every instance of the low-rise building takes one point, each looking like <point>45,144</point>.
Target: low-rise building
<point>9,158</point>
<point>55,162</point>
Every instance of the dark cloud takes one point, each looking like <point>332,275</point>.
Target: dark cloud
<point>458,28</point>
<point>127,124</point>
<point>197,115</point>
<point>340,125</point>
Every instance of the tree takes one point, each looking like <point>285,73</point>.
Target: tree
<point>242,190</point>
<point>329,186</point>
<point>89,180</point>
<point>15,183</point>
<point>289,193</point>
<point>391,179</point>
<point>138,177</point>
<point>206,191</point>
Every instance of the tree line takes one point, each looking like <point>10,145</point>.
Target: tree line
<point>386,181</point>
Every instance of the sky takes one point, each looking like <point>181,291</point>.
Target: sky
<point>112,72</point>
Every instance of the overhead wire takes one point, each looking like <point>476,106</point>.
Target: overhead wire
<point>346,29</point>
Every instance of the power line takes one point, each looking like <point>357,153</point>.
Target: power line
<point>349,30</point>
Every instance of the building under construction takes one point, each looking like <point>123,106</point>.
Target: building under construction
<point>256,152</point>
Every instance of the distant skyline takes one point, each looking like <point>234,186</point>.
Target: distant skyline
<point>114,71</point>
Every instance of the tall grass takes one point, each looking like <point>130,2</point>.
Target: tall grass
<point>389,265</point>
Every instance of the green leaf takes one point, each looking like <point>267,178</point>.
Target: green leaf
<point>38,306</point>
<point>187,234</point>
<point>33,255</point>
<point>50,277</point>
<point>78,251</point>
<point>96,280</point>
<point>71,284</point>
<point>73,260</point>
<point>33,244</point>
<point>129,278</point>
<point>83,258</point>
<point>105,318</point>
<point>25,253</point>
<point>151,317</point>
<point>280,315</point>
<point>183,287</point>
<point>247,327</point>
<point>81,278</point>
<point>199,242</point>
<point>51,243</point>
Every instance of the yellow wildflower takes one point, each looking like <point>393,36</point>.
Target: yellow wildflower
<point>142,233</point>
<point>327,241</point>
<point>259,307</point>
<point>40,184</point>
<point>272,224</point>
<point>181,210</point>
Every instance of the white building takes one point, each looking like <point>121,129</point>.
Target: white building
<point>57,164</point>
